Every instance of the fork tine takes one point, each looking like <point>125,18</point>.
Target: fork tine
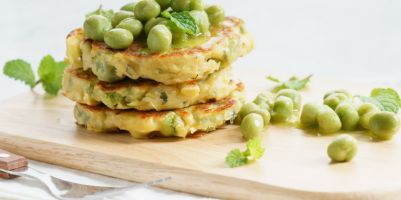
<point>115,191</point>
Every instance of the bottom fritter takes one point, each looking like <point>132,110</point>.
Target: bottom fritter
<point>179,123</point>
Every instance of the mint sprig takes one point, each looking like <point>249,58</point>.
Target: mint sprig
<point>106,13</point>
<point>50,73</point>
<point>20,70</point>
<point>385,99</point>
<point>182,20</point>
<point>293,83</point>
<point>236,158</point>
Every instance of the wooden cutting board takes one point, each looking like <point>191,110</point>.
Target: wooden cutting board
<point>295,164</point>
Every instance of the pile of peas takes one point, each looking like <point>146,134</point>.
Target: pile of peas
<point>338,112</point>
<point>143,19</point>
<point>255,116</point>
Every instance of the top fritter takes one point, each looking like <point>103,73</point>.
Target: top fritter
<point>189,58</point>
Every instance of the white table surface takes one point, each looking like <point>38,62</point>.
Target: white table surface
<point>356,40</point>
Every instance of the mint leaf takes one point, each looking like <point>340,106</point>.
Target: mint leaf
<point>293,83</point>
<point>236,158</point>
<point>20,70</point>
<point>60,67</point>
<point>185,22</point>
<point>166,14</point>
<point>273,79</point>
<point>50,74</point>
<point>106,13</point>
<point>254,148</point>
<point>385,99</point>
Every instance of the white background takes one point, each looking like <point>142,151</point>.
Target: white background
<point>357,40</point>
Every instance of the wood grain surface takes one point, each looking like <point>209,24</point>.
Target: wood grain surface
<point>9,161</point>
<point>295,164</point>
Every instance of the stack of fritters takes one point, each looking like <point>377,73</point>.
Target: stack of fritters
<point>176,93</point>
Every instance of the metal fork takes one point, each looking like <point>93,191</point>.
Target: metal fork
<point>15,165</point>
<point>66,190</point>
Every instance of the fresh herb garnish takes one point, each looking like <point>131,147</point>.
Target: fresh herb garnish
<point>237,158</point>
<point>384,99</point>
<point>182,20</point>
<point>293,83</point>
<point>50,73</point>
<point>106,13</point>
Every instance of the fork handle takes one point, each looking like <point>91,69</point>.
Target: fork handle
<point>9,161</point>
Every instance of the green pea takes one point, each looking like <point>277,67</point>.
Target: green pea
<point>146,10</point>
<point>265,115</point>
<point>328,121</point>
<point>263,105</point>
<point>349,95</point>
<point>187,5</point>
<point>282,110</point>
<point>159,39</point>
<point>294,95</point>
<point>266,97</point>
<point>364,120</point>
<point>348,115</point>
<point>179,35</point>
<point>384,125</point>
<point>252,126</point>
<point>216,15</point>
<point>343,148</point>
<point>153,22</point>
<point>246,108</point>
<point>334,99</point>
<point>119,16</point>
<point>172,124</point>
<point>367,107</point>
<point>106,72</point>
<point>201,20</point>
<point>129,7</point>
<point>118,38</point>
<point>309,113</point>
<point>164,4</point>
<point>132,25</point>
<point>96,26</point>
<point>238,120</point>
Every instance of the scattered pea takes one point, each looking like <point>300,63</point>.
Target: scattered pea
<point>266,97</point>
<point>364,120</point>
<point>309,114</point>
<point>348,115</point>
<point>343,148</point>
<point>328,121</point>
<point>252,126</point>
<point>265,115</point>
<point>282,110</point>
<point>334,99</point>
<point>294,95</point>
<point>384,125</point>
<point>349,95</point>
<point>246,108</point>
